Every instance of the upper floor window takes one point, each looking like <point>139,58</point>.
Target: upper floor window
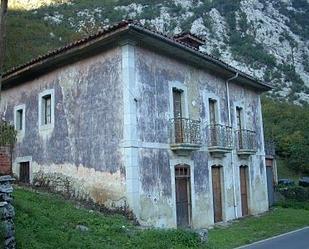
<point>213,116</point>
<point>177,103</point>
<point>19,118</point>
<point>239,118</point>
<point>46,108</point>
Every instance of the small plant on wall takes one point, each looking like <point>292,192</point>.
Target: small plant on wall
<point>7,134</point>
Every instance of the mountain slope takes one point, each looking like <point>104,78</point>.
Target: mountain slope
<point>268,39</point>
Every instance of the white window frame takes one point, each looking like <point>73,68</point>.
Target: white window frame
<point>243,118</point>
<point>20,133</point>
<point>16,166</point>
<point>49,126</point>
<point>173,164</point>
<point>212,96</point>
<point>179,86</point>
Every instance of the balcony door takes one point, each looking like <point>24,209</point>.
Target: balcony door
<point>177,104</point>
<point>239,126</point>
<point>213,121</point>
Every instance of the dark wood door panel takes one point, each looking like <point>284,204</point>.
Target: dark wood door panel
<point>244,190</point>
<point>217,193</point>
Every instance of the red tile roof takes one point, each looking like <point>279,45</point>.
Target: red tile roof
<point>117,27</point>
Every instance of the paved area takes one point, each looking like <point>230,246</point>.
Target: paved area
<point>298,239</point>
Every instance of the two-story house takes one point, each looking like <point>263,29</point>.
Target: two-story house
<point>132,118</point>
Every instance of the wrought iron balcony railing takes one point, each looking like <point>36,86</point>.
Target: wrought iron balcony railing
<point>185,131</point>
<point>220,136</point>
<point>246,140</point>
<point>270,148</point>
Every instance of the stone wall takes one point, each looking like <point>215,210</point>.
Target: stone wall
<point>5,160</point>
<point>7,213</point>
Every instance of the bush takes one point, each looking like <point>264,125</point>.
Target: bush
<point>294,204</point>
<point>296,193</point>
<point>2,234</point>
<point>286,125</point>
<point>7,134</point>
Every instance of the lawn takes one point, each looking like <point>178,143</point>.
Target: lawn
<point>48,221</point>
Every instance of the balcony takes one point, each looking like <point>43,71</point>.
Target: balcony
<point>270,149</point>
<point>246,142</point>
<point>219,139</point>
<point>185,135</point>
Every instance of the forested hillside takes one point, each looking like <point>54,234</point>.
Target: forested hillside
<point>268,39</point>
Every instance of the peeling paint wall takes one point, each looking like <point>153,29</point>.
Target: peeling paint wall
<point>154,75</point>
<point>84,144</point>
<point>110,139</point>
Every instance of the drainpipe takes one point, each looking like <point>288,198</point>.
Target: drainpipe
<point>230,124</point>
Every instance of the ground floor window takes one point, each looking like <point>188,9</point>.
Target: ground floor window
<point>24,172</point>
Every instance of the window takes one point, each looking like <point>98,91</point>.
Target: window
<point>178,121</point>
<point>46,109</point>
<point>239,118</point>
<point>24,172</point>
<point>213,119</point>
<point>19,118</point>
<point>177,99</point>
<point>239,123</point>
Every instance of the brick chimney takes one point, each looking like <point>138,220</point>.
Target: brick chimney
<point>190,39</point>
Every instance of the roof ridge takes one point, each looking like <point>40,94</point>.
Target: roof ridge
<point>113,27</point>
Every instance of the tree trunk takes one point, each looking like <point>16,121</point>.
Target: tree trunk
<point>3,13</point>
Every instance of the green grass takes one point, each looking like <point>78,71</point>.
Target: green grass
<point>48,221</point>
<point>246,231</point>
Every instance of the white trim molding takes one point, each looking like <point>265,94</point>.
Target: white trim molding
<point>16,166</point>
<point>173,163</point>
<point>182,87</point>
<point>206,97</point>
<point>20,132</point>
<point>130,141</point>
<point>46,128</point>
<point>241,105</point>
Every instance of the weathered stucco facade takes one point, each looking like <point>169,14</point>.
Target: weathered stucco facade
<point>109,136</point>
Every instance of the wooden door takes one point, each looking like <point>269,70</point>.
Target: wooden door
<point>183,196</point>
<point>244,190</point>
<point>178,115</point>
<point>217,193</point>
<point>270,184</point>
<point>24,175</point>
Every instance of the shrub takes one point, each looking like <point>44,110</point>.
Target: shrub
<point>296,193</point>
<point>7,134</point>
<point>293,204</point>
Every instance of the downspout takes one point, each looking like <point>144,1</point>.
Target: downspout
<point>232,152</point>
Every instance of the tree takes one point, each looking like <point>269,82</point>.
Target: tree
<point>3,13</point>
